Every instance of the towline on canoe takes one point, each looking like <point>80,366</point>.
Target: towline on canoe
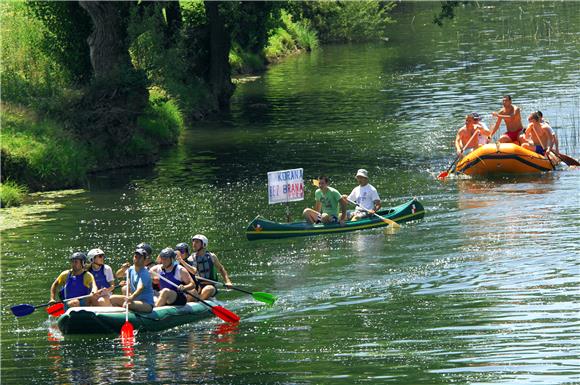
<point>504,158</point>
<point>109,320</point>
<point>261,228</point>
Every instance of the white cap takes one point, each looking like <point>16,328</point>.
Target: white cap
<point>362,172</point>
<point>93,253</point>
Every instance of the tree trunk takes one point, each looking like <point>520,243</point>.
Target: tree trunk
<point>107,42</point>
<point>106,117</point>
<point>220,82</point>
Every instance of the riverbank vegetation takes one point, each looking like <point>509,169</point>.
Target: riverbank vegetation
<point>91,86</point>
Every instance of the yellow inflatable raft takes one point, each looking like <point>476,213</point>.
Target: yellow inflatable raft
<point>503,158</point>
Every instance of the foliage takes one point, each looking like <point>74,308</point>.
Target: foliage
<point>67,28</point>
<point>337,21</point>
<point>162,121</point>
<point>290,37</point>
<point>250,21</point>
<point>447,11</point>
<point>176,69</point>
<point>40,153</point>
<point>11,194</point>
<point>28,72</point>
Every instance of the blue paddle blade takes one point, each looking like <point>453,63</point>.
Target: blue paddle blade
<point>22,309</point>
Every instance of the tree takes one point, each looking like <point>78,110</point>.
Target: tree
<point>219,76</point>
<point>107,115</point>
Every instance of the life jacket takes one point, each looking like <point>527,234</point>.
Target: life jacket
<point>172,276</point>
<point>100,278</point>
<point>74,286</point>
<point>205,267</point>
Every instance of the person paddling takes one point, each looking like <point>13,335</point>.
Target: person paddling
<point>537,135</point>
<point>511,115</point>
<point>206,265</point>
<point>73,283</point>
<point>365,196</point>
<point>466,137</point>
<point>104,278</point>
<point>140,295</point>
<point>326,206</point>
<point>172,271</point>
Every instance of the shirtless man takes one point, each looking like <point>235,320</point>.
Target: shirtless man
<point>467,132</point>
<point>513,121</point>
<point>538,136</point>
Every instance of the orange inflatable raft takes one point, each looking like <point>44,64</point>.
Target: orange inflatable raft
<point>504,158</point>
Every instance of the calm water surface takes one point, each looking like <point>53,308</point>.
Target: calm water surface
<point>483,291</point>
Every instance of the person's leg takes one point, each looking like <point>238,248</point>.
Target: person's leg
<point>166,296</point>
<point>104,301</point>
<point>325,218</point>
<point>504,139</point>
<point>528,146</point>
<point>207,292</point>
<point>73,303</point>
<point>117,300</point>
<point>310,215</point>
<point>141,307</point>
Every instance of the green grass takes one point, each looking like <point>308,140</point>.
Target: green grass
<point>39,152</point>
<point>11,194</point>
<point>290,37</point>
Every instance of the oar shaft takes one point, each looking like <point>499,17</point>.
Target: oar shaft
<point>64,300</point>
<point>377,215</point>
<point>223,284</point>
<point>174,285</point>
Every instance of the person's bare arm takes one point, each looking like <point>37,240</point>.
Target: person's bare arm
<point>222,270</point>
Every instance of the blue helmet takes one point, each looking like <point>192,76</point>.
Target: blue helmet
<point>167,252</point>
<point>182,247</point>
<point>147,247</point>
<point>78,255</point>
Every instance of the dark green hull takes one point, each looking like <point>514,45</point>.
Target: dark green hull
<point>261,228</point>
<point>106,320</point>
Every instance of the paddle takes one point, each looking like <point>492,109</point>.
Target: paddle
<point>258,295</point>
<point>386,220</point>
<point>444,174</point>
<point>566,159</point>
<point>218,311</point>
<point>25,309</point>
<point>127,328</point>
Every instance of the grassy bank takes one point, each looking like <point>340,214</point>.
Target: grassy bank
<point>289,38</point>
<point>39,153</point>
<point>11,194</point>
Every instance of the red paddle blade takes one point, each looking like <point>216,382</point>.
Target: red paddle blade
<point>127,330</point>
<point>225,314</point>
<point>56,310</point>
<point>443,175</point>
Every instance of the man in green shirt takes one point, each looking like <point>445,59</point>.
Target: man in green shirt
<point>327,200</point>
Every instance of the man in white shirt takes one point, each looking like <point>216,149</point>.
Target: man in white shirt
<point>364,195</point>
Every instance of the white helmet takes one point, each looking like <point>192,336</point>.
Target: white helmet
<point>201,238</point>
<point>93,253</point>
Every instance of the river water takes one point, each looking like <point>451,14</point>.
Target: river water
<point>484,290</point>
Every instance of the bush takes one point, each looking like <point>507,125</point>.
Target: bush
<point>11,194</point>
<point>162,121</point>
<point>28,73</point>
<point>40,153</point>
<point>290,37</point>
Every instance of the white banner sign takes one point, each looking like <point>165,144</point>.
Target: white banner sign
<point>285,186</point>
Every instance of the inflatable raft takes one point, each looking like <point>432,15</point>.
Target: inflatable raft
<point>504,158</point>
<point>107,320</point>
<point>261,228</point>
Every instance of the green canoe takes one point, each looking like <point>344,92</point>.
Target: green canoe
<point>261,228</point>
<point>107,320</point>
